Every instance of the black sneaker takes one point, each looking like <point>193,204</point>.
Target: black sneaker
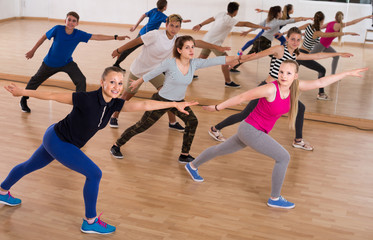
<point>195,77</point>
<point>124,70</point>
<point>185,159</point>
<point>113,122</point>
<point>23,104</point>
<point>232,85</point>
<point>115,151</point>
<point>176,127</point>
<point>233,70</point>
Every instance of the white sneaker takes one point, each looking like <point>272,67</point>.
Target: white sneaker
<point>217,135</point>
<point>323,96</point>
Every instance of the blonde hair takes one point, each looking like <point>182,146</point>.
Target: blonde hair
<point>339,19</point>
<point>285,11</point>
<point>294,95</point>
<point>174,18</point>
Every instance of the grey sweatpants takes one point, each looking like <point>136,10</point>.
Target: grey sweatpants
<point>320,48</point>
<point>247,135</point>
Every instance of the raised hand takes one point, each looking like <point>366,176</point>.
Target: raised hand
<point>182,105</point>
<point>123,37</point>
<point>14,90</point>
<point>210,108</point>
<point>356,72</point>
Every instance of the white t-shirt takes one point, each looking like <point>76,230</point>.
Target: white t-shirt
<point>157,47</point>
<point>220,28</point>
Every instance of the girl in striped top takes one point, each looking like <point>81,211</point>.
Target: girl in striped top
<point>311,38</point>
<point>275,99</point>
<point>280,54</point>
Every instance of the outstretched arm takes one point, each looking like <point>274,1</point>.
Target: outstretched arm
<point>31,53</point>
<point>149,105</point>
<point>203,44</point>
<point>357,20</point>
<point>130,44</point>
<point>44,95</point>
<point>251,25</point>
<point>332,34</point>
<point>100,37</point>
<point>325,81</point>
<point>322,55</point>
<point>133,28</point>
<point>266,91</point>
<point>199,26</point>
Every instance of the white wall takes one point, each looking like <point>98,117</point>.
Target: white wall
<point>129,11</point>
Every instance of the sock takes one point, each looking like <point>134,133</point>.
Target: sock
<point>173,123</point>
<point>275,199</point>
<point>3,192</point>
<point>91,221</point>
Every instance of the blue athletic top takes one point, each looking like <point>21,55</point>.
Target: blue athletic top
<point>156,18</point>
<point>90,113</point>
<point>63,45</point>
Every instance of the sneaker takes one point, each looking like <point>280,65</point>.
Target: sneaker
<point>23,104</point>
<point>115,151</point>
<point>217,135</point>
<point>233,70</point>
<point>193,173</point>
<point>124,70</point>
<point>323,96</point>
<point>113,122</point>
<point>280,203</point>
<point>302,145</point>
<point>9,200</point>
<point>195,77</point>
<point>176,127</point>
<point>99,227</point>
<point>232,85</point>
<point>185,159</point>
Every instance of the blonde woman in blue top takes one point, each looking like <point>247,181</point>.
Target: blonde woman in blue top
<point>62,141</point>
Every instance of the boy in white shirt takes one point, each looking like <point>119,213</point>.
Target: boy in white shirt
<point>222,26</point>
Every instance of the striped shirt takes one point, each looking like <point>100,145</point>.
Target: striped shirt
<point>309,42</point>
<point>276,62</point>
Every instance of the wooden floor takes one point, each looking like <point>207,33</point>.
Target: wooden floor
<point>149,195</point>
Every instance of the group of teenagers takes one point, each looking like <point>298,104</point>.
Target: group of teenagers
<point>278,94</point>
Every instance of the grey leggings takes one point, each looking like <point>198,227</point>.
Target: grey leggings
<point>247,135</point>
<point>320,48</point>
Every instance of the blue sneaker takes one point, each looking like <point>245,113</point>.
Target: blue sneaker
<point>98,227</point>
<point>193,173</point>
<point>280,203</point>
<point>9,200</point>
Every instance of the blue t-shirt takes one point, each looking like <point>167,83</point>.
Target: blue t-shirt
<point>63,45</point>
<point>90,113</point>
<point>156,18</point>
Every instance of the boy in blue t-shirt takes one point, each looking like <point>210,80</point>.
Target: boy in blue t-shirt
<point>156,18</point>
<point>59,57</point>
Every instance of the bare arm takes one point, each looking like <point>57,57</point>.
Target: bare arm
<point>325,81</point>
<point>299,19</point>
<point>258,10</point>
<point>356,20</point>
<point>203,44</point>
<point>322,55</point>
<point>332,34</point>
<point>100,37</point>
<point>266,91</point>
<point>251,25</point>
<point>199,26</point>
<point>43,95</point>
<point>130,44</point>
<point>31,53</point>
<point>133,28</point>
<point>149,105</point>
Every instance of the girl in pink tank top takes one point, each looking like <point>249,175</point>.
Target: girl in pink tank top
<point>276,98</point>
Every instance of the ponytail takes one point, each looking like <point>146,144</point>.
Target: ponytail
<point>317,19</point>
<point>339,19</point>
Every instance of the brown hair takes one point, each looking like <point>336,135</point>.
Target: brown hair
<point>174,18</point>
<point>111,69</point>
<point>294,30</point>
<point>317,19</point>
<point>285,11</point>
<point>161,4</point>
<point>294,95</point>
<point>273,12</point>
<point>232,7</point>
<point>339,19</point>
<point>179,43</point>
<point>74,14</point>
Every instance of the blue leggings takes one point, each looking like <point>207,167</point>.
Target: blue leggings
<point>70,156</point>
<point>282,39</point>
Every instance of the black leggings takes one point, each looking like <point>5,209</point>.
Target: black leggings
<point>238,117</point>
<point>313,65</point>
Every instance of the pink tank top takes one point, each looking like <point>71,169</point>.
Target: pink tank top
<point>265,114</point>
<point>326,42</point>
